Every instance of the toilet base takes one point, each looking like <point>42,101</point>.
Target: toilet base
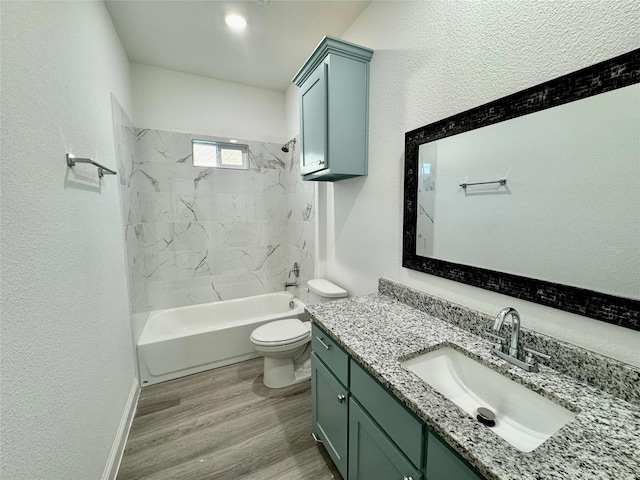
<point>282,372</point>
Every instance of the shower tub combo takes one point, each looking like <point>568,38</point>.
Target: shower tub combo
<point>186,340</point>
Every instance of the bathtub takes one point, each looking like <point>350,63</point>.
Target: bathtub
<point>186,340</point>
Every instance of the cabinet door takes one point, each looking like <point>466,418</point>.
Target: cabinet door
<point>313,119</point>
<point>445,464</point>
<point>372,455</point>
<point>330,412</point>
<point>405,430</point>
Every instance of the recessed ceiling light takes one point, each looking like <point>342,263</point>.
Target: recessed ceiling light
<point>235,21</point>
<point>233,140</point>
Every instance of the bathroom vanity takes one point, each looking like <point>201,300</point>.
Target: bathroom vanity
<point>377,419</point>
<point>366,430</point>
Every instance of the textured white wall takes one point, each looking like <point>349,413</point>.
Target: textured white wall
<point>437,58</point>
<point>179,102</point>
<point>292,110</point>
<point>67,356</point>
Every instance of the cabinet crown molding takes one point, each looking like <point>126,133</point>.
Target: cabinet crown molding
<point>331,45</point>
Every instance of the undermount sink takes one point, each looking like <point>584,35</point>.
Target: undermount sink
<point>523,418</point>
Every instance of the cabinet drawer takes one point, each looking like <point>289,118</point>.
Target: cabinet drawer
<point>444,464</point>
<point>398,423</point>
<point>331,354</point>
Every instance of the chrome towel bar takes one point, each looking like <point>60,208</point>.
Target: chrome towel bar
<point>502,181</point>
<point>71,161</point>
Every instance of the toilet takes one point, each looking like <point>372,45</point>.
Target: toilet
<point>286,344</point>
<point>321,291</point>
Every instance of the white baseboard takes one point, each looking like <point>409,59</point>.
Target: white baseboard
<point>117,449</point>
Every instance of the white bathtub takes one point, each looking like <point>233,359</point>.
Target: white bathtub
<point>186,340</point>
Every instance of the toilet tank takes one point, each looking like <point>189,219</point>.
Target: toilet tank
<point>321,291</point>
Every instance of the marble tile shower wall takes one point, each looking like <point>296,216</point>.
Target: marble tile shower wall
<point>125,143</point>
<point>197,235</point>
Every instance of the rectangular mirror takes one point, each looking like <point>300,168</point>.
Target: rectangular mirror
<point>554,215</point>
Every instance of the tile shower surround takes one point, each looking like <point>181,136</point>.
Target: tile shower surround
<point>125,143</point>
<point>197,235</point>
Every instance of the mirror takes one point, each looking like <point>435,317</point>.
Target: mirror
<point>536,195</point>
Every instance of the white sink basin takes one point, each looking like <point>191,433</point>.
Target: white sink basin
<point>523,418</point>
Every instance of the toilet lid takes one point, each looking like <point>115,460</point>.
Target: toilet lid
<point>325,288</point>
<point>281,332</point>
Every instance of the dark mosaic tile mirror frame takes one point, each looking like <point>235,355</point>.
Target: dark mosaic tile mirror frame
<point>609,75</point>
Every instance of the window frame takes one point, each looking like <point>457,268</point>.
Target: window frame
<point>219,146</point>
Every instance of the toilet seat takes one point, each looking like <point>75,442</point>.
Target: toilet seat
<point>281,333</point>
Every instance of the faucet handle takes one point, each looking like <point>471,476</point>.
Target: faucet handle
<point>500,342</point>
<point>295,270</point>
<point>530,358</point>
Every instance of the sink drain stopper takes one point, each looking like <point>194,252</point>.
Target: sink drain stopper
<point>486,416</point>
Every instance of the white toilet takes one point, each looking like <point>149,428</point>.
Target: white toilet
<point>286,344</point>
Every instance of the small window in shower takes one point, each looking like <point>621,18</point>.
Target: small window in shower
<point>220,155</point>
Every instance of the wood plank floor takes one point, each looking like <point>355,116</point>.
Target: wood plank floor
<point>224,424</point>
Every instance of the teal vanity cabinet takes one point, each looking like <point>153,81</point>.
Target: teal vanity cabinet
<point>372,454</point>
<point>334,111</point>
<point>367,432</point>
<point>444,464</point>
<point>330,396</point>
<point>385,439</point>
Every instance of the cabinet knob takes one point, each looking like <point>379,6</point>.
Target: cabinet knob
<point>341,398</point>
<point>321,162</point>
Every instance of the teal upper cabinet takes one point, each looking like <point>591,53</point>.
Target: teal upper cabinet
<point>334,111</point>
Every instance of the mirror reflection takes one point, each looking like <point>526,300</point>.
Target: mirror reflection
<point>569,211</point>
<point>563,227</point>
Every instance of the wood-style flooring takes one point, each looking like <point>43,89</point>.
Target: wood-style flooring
<point>224,424</point>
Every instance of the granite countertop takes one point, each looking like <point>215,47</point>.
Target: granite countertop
<point>601,442</point>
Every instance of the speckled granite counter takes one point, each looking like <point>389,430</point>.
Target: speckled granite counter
<point>601,442</point>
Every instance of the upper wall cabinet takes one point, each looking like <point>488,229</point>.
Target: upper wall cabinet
<point>334,111</point>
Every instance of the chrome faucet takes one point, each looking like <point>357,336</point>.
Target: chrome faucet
<point>514,347</point>
<point>296,271</point>
<point>530,363</point>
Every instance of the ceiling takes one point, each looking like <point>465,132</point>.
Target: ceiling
<point>192,37</point>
